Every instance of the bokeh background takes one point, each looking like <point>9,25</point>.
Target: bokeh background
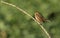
<point>16,24</point>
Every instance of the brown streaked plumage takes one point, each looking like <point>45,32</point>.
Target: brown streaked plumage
<point>39,17</point>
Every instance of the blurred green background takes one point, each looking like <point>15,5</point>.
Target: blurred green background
<point>19,25</point>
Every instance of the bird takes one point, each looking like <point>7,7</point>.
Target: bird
<point>39,17</point>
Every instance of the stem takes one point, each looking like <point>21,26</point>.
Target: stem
<point>28,15</point>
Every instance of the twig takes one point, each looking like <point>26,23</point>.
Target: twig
<point>28,15</point>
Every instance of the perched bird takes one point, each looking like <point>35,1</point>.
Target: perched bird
<point>39,17</point>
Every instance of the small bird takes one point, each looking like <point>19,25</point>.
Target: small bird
<point>39,17</point>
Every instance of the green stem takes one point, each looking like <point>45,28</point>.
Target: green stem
<point>29,16</point>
